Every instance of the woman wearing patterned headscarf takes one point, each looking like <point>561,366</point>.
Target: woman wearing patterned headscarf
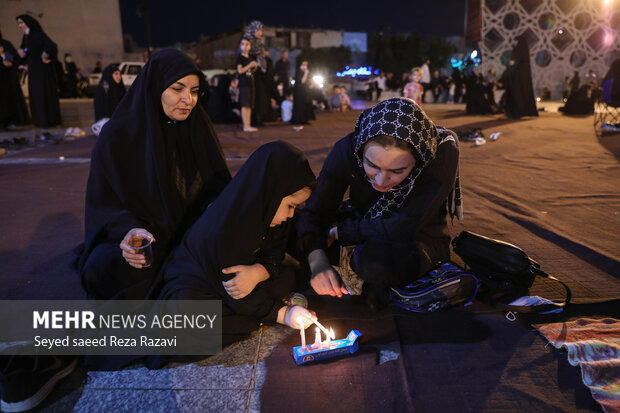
<point>401,172</point>
<point>262,101</point>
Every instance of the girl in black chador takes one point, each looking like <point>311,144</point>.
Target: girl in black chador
<point>109,92</point>
<point>519,96</point>
<point>401,172</point>
<point>234,252</point>
<point>40,54</point>
<point>156,165</point>
<point>13,109</point>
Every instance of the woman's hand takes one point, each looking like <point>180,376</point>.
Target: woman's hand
<point>133,239</point>
<point>325,280</point>
<point>21,53</point>
<point>245,280</point>
<point>293,316</point>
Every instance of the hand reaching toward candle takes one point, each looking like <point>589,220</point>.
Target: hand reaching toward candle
<point>246,278</point>
<point>291,316</point>
<point>325,280</point>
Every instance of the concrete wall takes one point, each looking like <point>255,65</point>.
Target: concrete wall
<point>89,30</point>
<point>326,38</point>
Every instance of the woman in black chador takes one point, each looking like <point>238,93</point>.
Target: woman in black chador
<point>13,109</point>
<point>156,165</point>
<point>401,173</point>
<point>302,101</point>
<point>519,95</point>
<point>109,92</point>
<point>40,54</point>
<point>71,77</point>
<point>234,252</point>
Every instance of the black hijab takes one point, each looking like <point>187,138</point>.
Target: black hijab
<point>108,93</point>
<point>234,226</point>
<point>141,157</point>
<point>8,47</point>
<point>37,35</point>
<point>614,73</point>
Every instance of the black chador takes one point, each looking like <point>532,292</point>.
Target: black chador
<point>41,58</point>
<point>108,93</point>
<point>147,172</point>
<point>235,230</point>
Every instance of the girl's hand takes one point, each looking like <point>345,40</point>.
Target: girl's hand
<point>245,280</point>
<point>128,244</point>
<point>296,317</point>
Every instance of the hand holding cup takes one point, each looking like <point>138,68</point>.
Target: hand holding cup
<point>137,248</point>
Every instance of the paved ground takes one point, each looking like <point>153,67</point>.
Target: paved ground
<point>41,221</point>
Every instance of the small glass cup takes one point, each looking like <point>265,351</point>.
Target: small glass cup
<point>144,246</point>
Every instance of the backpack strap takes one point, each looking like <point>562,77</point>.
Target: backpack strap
<point>524,309</point>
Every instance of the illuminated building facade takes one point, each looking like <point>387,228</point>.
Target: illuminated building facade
<point>563,36</point>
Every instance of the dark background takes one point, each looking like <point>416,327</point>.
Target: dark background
<point>186,20</point>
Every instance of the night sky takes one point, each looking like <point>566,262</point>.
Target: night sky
<point>186,20</point>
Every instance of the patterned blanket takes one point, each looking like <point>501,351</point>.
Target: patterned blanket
<point>594,345</point>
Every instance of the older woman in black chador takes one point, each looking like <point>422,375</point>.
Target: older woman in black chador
<point>13,109</point>
<point>517,79</point>
<point>156,164</point>
<point>401,172</point>
<point>40,54</point>
<point>109,92</point>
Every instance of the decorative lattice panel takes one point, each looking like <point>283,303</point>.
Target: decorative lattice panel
<point>563,36</point>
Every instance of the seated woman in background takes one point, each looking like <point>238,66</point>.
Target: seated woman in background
<point>109,92</point>
<point>155,167</point>
<point>401,173</point>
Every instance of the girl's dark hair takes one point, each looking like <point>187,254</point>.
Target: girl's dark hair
<point>245,38</point>
<point>387,141</point>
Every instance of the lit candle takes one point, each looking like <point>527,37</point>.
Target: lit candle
<point>317,338</point>
<point>328,342</point>
<point>302,331</point>
<point>327,333</point>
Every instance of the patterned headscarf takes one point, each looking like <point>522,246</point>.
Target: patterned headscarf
<point>402,119</point>
<point>258,48</point>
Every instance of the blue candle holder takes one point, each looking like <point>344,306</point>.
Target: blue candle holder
<point>310,353</point>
